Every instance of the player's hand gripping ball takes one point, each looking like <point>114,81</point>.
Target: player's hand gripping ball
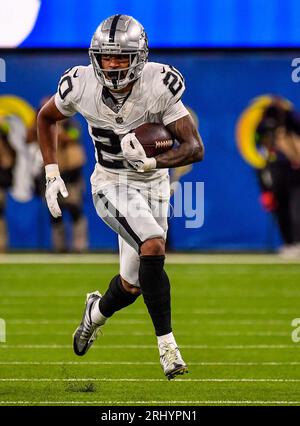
<point>155,138</point>
<point>145,142</point>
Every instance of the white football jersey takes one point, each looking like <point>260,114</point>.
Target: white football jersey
<point>154,98</point>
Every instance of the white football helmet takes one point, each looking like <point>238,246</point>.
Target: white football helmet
<point>119,35</point>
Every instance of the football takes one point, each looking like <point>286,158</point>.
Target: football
<point>155,138</point>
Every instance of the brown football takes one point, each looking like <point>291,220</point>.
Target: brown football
<point>155,138</point>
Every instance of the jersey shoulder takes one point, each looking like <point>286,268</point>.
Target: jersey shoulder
<point>163,80</point>
<point>73,84</point>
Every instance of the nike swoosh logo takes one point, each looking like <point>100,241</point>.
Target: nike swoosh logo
<point>75,74</point>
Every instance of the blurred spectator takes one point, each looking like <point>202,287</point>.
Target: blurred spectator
<point>279,134</point>
<point>7,162</point>
<point>71,159</point>
<point>14,162</point>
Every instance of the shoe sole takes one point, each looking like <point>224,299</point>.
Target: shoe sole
<point>178,372</point>
<point>89,343</point>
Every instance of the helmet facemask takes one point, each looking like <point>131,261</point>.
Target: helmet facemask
<point>117,78</point>
<point>119,35</point>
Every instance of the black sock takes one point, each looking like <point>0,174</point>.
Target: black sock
<point>115,298</point>
<point>155,288</point>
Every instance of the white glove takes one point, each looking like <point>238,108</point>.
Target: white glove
<point>135,154</point>
<point>54,186</point>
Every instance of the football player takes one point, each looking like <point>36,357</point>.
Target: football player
<point>118,92</point>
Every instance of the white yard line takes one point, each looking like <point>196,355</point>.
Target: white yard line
<point>192,402</point>
<point>172,258</point>
<point>9,304</point>
<point>54,346</point>
<point>142,363</point>
<point>216,296</point>
<point>92,379</point>
<point>127,321</point>
<point>178,333</point>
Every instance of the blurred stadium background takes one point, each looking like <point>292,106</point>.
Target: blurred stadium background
<point>229,52</point>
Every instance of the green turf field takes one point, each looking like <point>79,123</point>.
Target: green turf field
<point>232,323</point>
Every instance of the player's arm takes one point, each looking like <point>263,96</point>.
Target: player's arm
<point>168,87</point>
<point>47,131</point>
<point>190,149</point>
<point>47,138</point>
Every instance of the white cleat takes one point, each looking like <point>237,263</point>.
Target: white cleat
<point>87,332</point>
<point>171,361</point>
